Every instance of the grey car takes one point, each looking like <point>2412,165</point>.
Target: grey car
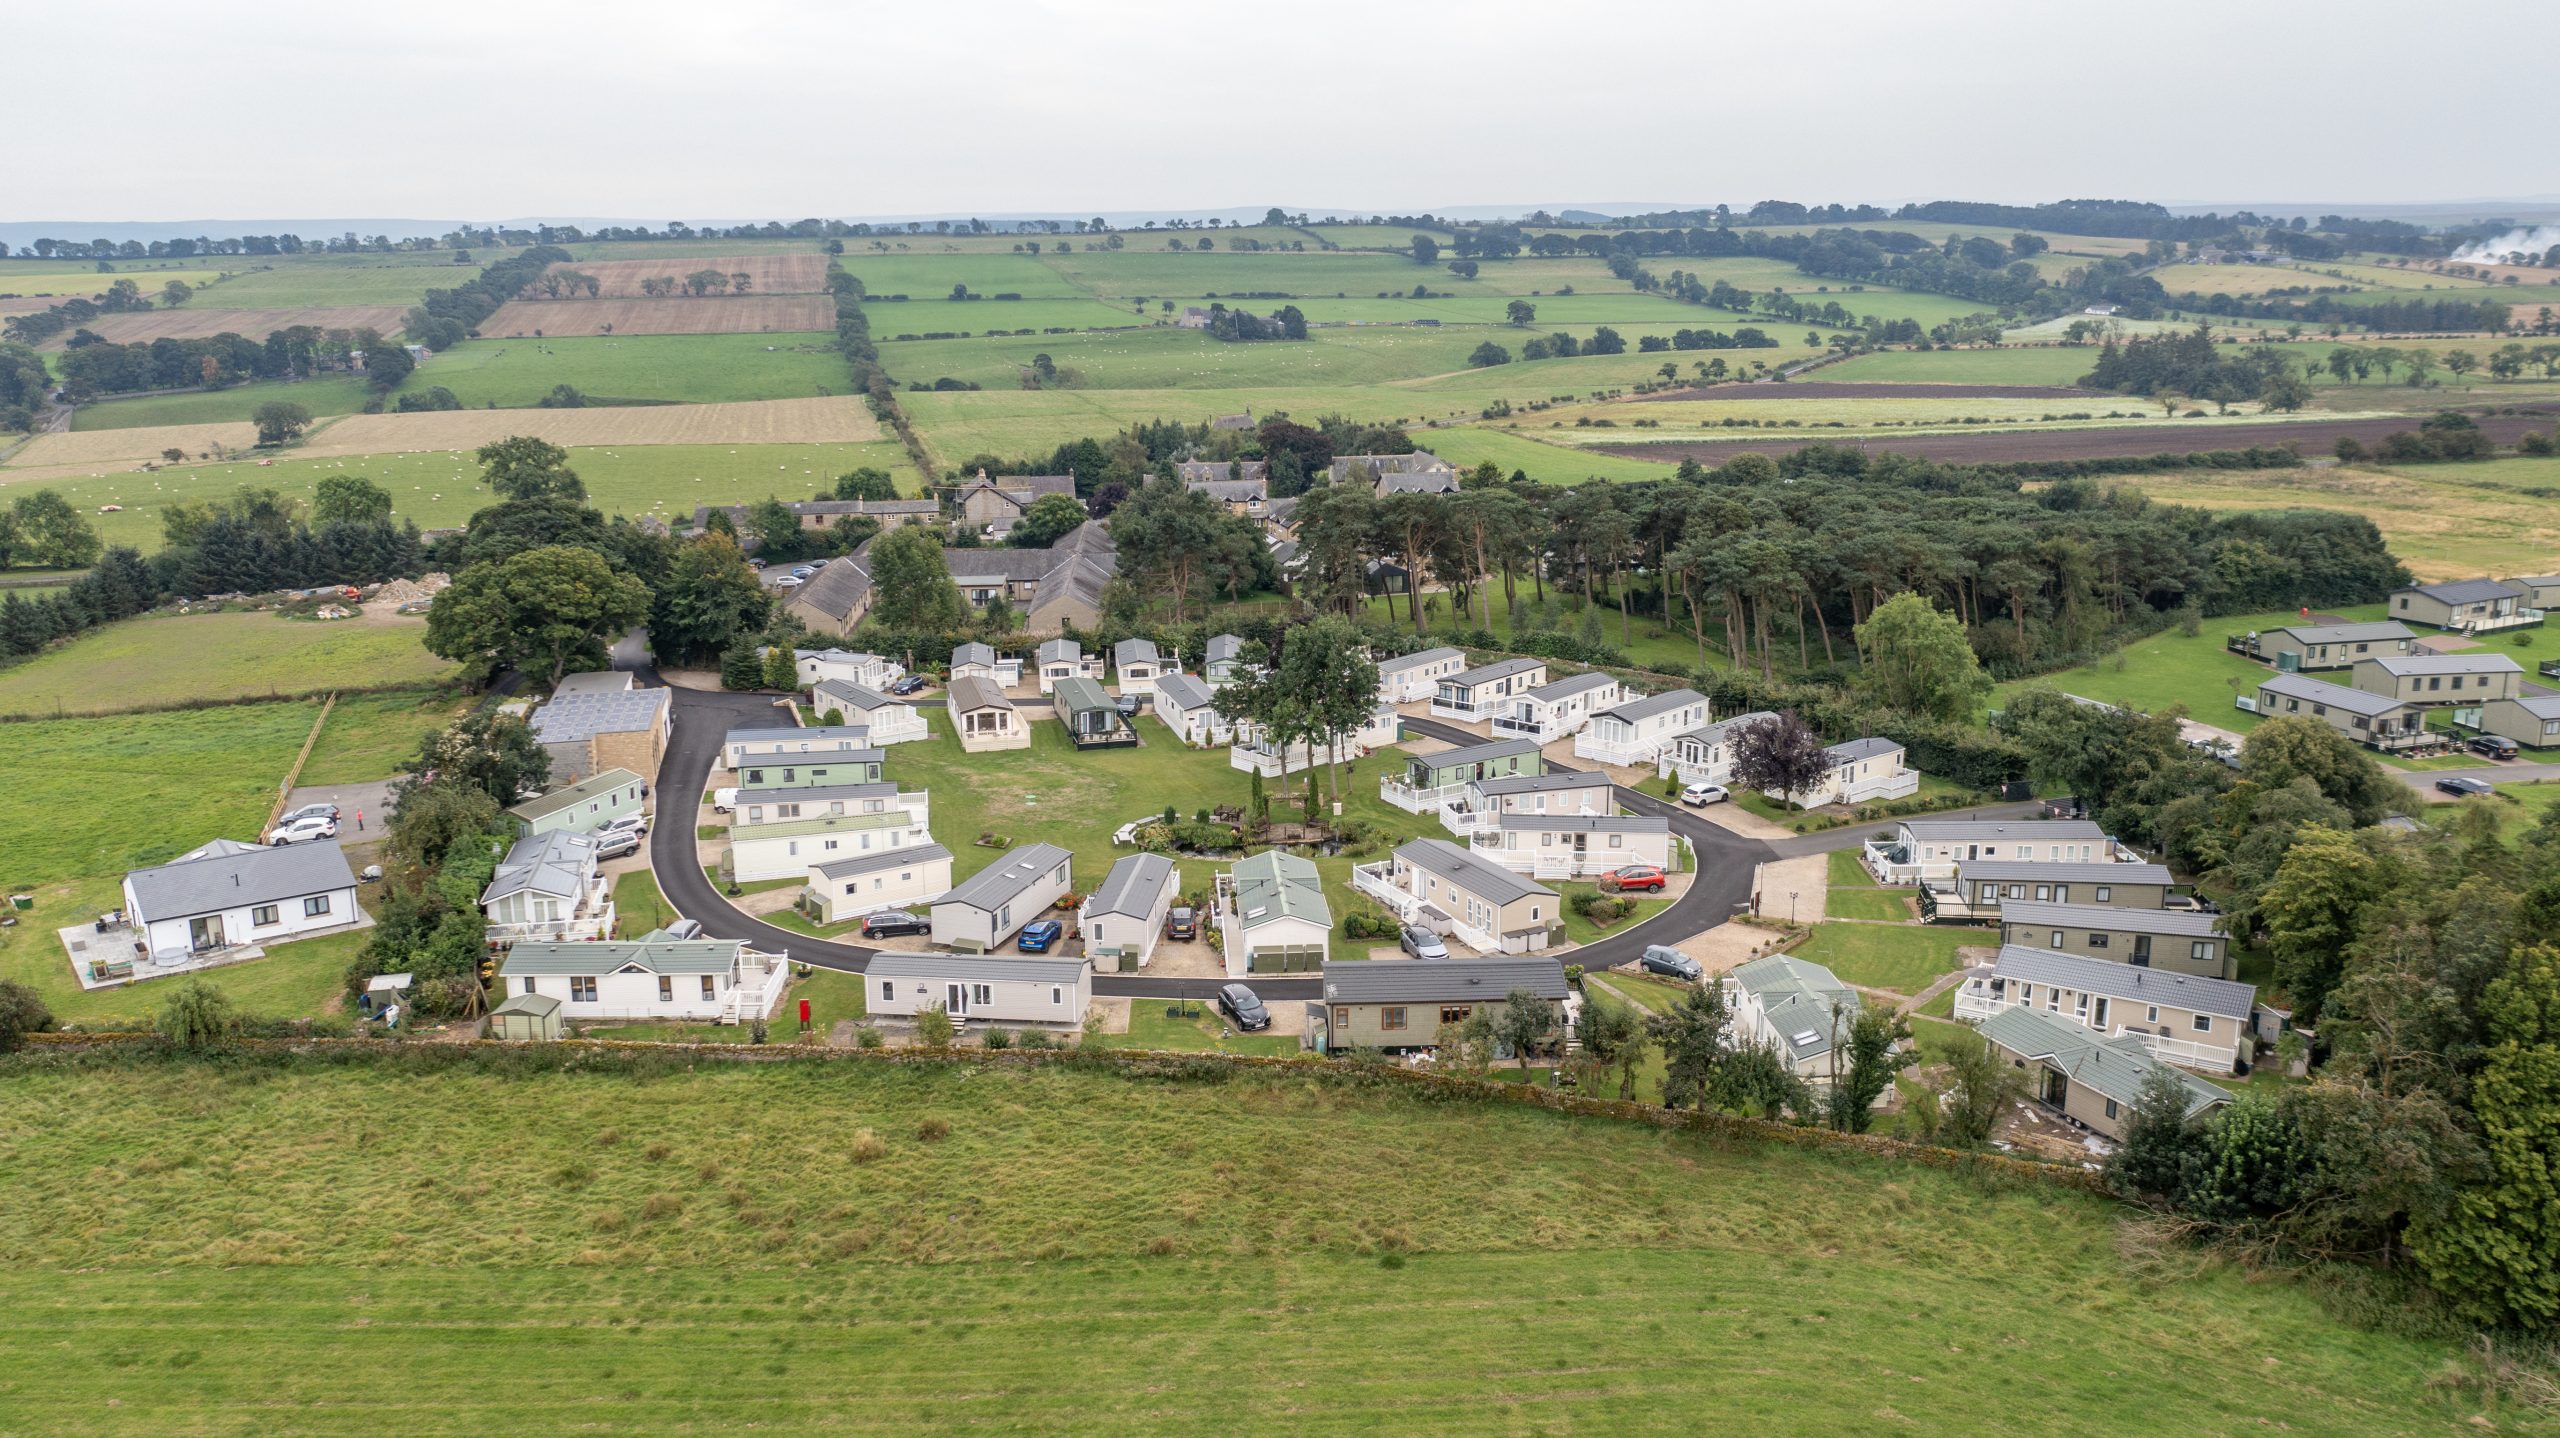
<point>1660,960</point>
<point>1422,943</point>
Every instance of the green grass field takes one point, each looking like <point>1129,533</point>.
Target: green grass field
<point>2172,668</point>
<point>369,736</point>
<point>66,278</point>
<point>173,658</point>
<point>2445,521</point>
<point>229,1249</point>
<point>1854,893</point>
<point>1900,960</point>
<point>290,285</point>
<point>437,488</point>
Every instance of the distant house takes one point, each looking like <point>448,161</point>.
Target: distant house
<point>891,721</point>
<point>1705,755</point>
<point>744,749</point>
<point>1431,780</point>
<point>1486,691</point>
<point>790,848</point>
<point>2537,591</point>
<point>2101,311</point>
<point>1091,717</point>
<point>1795,1006</point>
<point>547,887</point>
<point>1013,989</point>
<point>1227,660</point>
<point>1484,803</point>
<point>2302,647</point>
<point>1124,916</point>
<point>2369,719</point>
<point>1420,472</point>
<point>1552,711</point>
<point>844,889</point>
<point>583,807</point>
<point>871,671</point>
<point>1574,846</point>
<point>1188,708</point>
<point>1065,659</point>
<point>229,894</point>
<point>1412,678</point>
<point>2095,1082</point>
<point>818,516</point>
<point>1192,318</point>
<point>983,718</point>
<point>1862,771</point>
<point>974,660</point>
<point>1436,884</point>
<point>1985,883</point>
<point>1007,497</point>
<point>1050,589</point>
<point>993,904</point>
<point>1637,731</point>
<point>2181,1018</point>
<point>651,977</point>
<point>1924,851</point>
<point>1208,471</point>
<point>2185,941</point>
<point>1240,496</point>
<point>1272,916</point>
<point>2428,680</point>
<point>1254,751</point>
<point>589,731</point>
<point>1135,663</point>
<point>2465,606</point>
<point>837,598</point>
<point>1228,421</point>
<point>1402,1007</point>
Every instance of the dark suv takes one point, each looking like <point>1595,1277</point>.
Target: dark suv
<point>877,926</point>
<point>1182,923</point>
<point>1245,1007</point>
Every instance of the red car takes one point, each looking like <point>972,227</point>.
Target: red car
<point>1639,876</point>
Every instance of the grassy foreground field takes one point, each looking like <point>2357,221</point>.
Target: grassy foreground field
<point>174,658</point>
<point>427,1247</point>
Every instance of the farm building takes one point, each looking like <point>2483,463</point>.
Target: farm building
<point>999,899</point>
<point>609,726</point>
<point>583,807</point>
<point>882,879</point>
<point>1124,917</point>
<point>1013,989</point>
<point>1272,916</point>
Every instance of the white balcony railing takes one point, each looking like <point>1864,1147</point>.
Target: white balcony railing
<point>1378,882</point>
<point>1512,726</point>
<point>1975,1002</point>
<point>1415,800</point>
<point>1449,706</point>
<point>1629,753</point>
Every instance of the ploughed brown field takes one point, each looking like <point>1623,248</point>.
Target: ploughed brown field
<point>2022,446</point>
<point>186,324</point>
<point>747,314</point>
<point>1824,389</point>
<point>766,274</point>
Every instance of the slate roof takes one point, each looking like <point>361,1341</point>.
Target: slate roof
<point>575,794</point>
<point>879,859</point>
<point>2169,923</point>
<point>1482,878</point>
<point>1276,884</point>
<point>1197,472</point>
<point>652,951</point>
<point>840,588</point>
<point>573,717</point>
<point>248,876</point>
<point>1230,490</point>
<point>2463,591</point>
<point>2321,691</point>
<point>1637,710</point>
<point>899,964</point>
<point>2115,1068</point>
<point>1479,981</point>
<point>554,863</point>
<point>1007,878</point>
<point>1418,658</point>
<point>1132,886</point>
<point>971,692</point>
<point>1798,996</point>
<point>2048,969</point>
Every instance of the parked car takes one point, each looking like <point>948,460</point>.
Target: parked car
<point>1040,936</point>
<point>1245,1007</point>
<point>307,811</point>
<point>1182,922</point>
<point>2463,786</point>
<point>1660,960</point>
<point>303,830</point>
<point>614,843</point>
<point>803,571</point>
<point>1638,876</point>
<point>1421,942</point>
<point>911,684</point>
<point>788,581</point>
<point>684,929</point>
<point>1128,706</point>
<point>1699,796</point>
<point>2495,746</point>
<point>633,824</point>
<point>893,921</point>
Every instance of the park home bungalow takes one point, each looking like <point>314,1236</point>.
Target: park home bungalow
<point>868,670</point>
<point>2090,1080</point>
<point>980,661</point>
<point>1484,803</point>
<point>1795,1006</point>
<point>1431,780</point>
<point>583,807</point>
<point>1124,917</point>
<point>862,707</point>
<point>230,895</point>
<point>1400,1007</point>
<point>1462,896</point>
<point>1985,883</point>
<point>746,749</point>
<point>1255,752</point>
<point>2531,719</point>
<point>2537,591</point>
<point>1636,732</point>
<point>1575,846</point>
<point>882,879</point>
<point>1065,659</point>
<point>1490,690</point>
<point>2370,719</point>
<point>1412,678</point>
<point>1227,661</point>
<point>1705,755</point>
<point>1136,664</point>
<point>2195,1022</point>
<point>1863,771</point>
<point>992,905</point>
<point>2294,648</point>
<point>1272,917</point>
<point>2186,941</point>
<point>1186,706</point>
<point>2429,680</point>
<point>983,718</point>
<point>1013,989</point>
<point>651,977</point>
<point>1091,719</point>
<point>789,848</point>
<point>782,803</point>
<point>547,887</point>
<point>2465,606</point>
<point>1924,851</point>
<point>1552,711</point>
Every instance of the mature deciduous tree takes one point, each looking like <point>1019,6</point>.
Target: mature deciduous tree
<point>538,610</point>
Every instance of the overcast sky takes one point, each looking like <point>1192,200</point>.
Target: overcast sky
<point>780,108</point>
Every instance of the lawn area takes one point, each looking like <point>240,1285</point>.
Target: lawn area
<point>1855,894</point>
<point>321,395</point>
<point>831,995</point>
<point>2173,668</point>
<point>638,905</point>
<point>1067,1251</point>
<point>1899,959</point>
<point>175,658</point>
<point>1154,1025</point>
<point>89,799</point>
<point>1581,930</point>
<point>369,736</point>
<point>1470,445</point>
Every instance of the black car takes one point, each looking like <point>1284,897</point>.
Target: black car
<point>911,684</point>
<point>876,926</point>
<point>1182,922</point>
<point>1241,1005</point>
<point>2494,746</point>
<point>2463,786</point>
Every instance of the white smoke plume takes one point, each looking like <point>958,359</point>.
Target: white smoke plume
<point>2532,243</point>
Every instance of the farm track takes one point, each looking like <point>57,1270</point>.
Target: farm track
<point>709,315</point>
<point>2027,446</point>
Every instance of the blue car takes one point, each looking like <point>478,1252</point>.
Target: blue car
<point>1038,937</point>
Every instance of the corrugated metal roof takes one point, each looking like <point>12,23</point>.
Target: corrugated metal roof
<point>572,717</point>
<point>1412,981</point>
